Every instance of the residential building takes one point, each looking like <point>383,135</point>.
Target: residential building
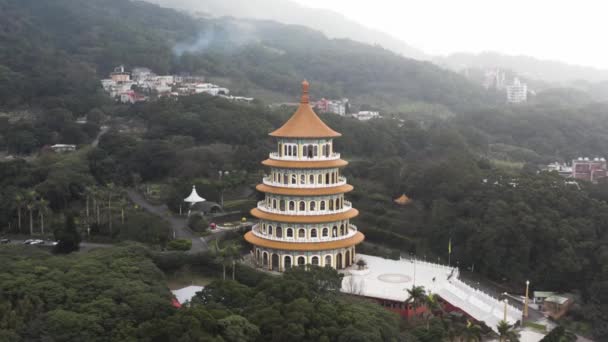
<point>304,218</point>
<point>119,75</point>
<point>332,106</point>
<point>562,169</point>
<point>62,148</point>
<point>366,115</point>
<point>494,79</point>
<point>589,169</point>
<point>517,92</point>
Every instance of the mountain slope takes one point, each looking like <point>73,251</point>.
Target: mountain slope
<point>529,67</point>
<point>333,24</point>
<point>55,48</point>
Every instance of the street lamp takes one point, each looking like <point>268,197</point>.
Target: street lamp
<point>526,300</point>
<point>506,303</point>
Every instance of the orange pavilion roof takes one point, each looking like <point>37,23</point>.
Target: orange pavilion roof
<point>305,246</point>
<point>305,123</point>
<point>304,218</point>
<point>305,191</point>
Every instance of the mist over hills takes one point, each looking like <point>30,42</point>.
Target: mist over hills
<point>526,66</point>
<point>332,24</point>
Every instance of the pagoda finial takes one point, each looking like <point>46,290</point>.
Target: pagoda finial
<point>304,98</point>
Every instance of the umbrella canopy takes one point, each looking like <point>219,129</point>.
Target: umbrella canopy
<point>194,197</point>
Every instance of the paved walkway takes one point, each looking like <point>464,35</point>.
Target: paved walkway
<point>178,224</point>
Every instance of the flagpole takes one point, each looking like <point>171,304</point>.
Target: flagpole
<point>450,252</point>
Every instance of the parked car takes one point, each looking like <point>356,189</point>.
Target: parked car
<point>28,241</point>
<point>5,241</point>
<point>37,242</point>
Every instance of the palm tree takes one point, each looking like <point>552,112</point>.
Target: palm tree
<point>19,200</point>
<point>110,191</point>
<point>122,204</point>
<point>507,332</point>
<point>31,205</point>
<point>432,304</point>
<point>417,297</point>
<point>234,254</point>
<point>43,208</point>
<point>453,328</point>
<point>471,333</point>
<point>220,255</point>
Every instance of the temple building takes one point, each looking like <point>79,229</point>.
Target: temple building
<point>304,217</point>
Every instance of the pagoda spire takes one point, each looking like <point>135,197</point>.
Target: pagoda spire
<point>304,98</point>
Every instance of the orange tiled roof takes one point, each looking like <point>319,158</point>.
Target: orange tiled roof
<point>305,192</point>
<point>306,246</point>
<point>305,123</point>
<point>292,164</point>
<point>402,200</point>
<point>304,219</point>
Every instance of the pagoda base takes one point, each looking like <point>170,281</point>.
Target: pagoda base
<point>280,260</point>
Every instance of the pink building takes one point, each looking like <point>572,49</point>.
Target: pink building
<point>589,169</point>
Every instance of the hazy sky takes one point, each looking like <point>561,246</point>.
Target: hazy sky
<point>569,31</point>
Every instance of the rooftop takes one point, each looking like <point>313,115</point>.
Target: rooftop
<point>389,279</point>
<point>349,214</point>
<point>184,295</point>
<point>305,191</point>
<point>305,123</point>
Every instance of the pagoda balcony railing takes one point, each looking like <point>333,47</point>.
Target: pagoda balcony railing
<point>332,156</point>
<point>268,181</point>
<point>263,207</point>
<point>257,231</point>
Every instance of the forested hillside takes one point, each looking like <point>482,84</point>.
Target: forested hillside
<point>472,176</point>
<point>95,36</point>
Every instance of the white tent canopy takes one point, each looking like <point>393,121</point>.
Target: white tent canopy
<point>194,197</point>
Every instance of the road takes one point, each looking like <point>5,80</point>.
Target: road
<point>178,224</point>
<point>103,130</point>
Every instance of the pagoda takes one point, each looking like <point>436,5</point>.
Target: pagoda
<point>304,218</point>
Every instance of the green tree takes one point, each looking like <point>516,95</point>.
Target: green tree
<point>68,238</point>
<point>507,332</point>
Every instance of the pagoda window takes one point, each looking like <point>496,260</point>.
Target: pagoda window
<point>289,233</point>
<point>280,150</point>
<point>301,233</point>
<point>331,205</point>
<point>313,233</point>
<point>264,228</point>
<point>292,205</point>
<point>287,261</point>
<point>313,205</point>
<point>342,230</point>
<point>302,206</point>
<point>302,179</point>
<point>333,178</point>
<point>311,179</point>
<point>301,261</point>
<point>322,205</point>
<point>316,150</point>
<point>274,204</point>
<point>328,260</point>
<point>327,178</point>
<point>305,150</point>
<point>270,230</point>
<point>320,179</point>
<point>315,260</point>
<point>257,254</point>
<point>338,204</point>
<point>310,151</point>
<point>279,232</point>
<point>285,179</point>
<point>282,205</point>
<point>325,232</point>
<point>334,232</point>
<point>294,179</point>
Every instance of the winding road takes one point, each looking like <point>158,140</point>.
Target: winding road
<point>178,224</point>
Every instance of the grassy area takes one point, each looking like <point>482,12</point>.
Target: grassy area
<point>536,326</point>
<point>507,165</point>
<point>578,327</point>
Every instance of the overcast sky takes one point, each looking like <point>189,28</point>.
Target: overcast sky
<point>571,31</point>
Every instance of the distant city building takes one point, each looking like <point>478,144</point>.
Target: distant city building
<point>494,78</point>
<point>366,115</point>
<point>517,92</point>
<point>62,148</point>
<point>589,170</point>
<point>562,169</point>
<point>142,84</point>
<point>119,75</point>
<point>332,106</point>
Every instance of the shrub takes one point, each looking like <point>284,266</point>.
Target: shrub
<point>179,245</point>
